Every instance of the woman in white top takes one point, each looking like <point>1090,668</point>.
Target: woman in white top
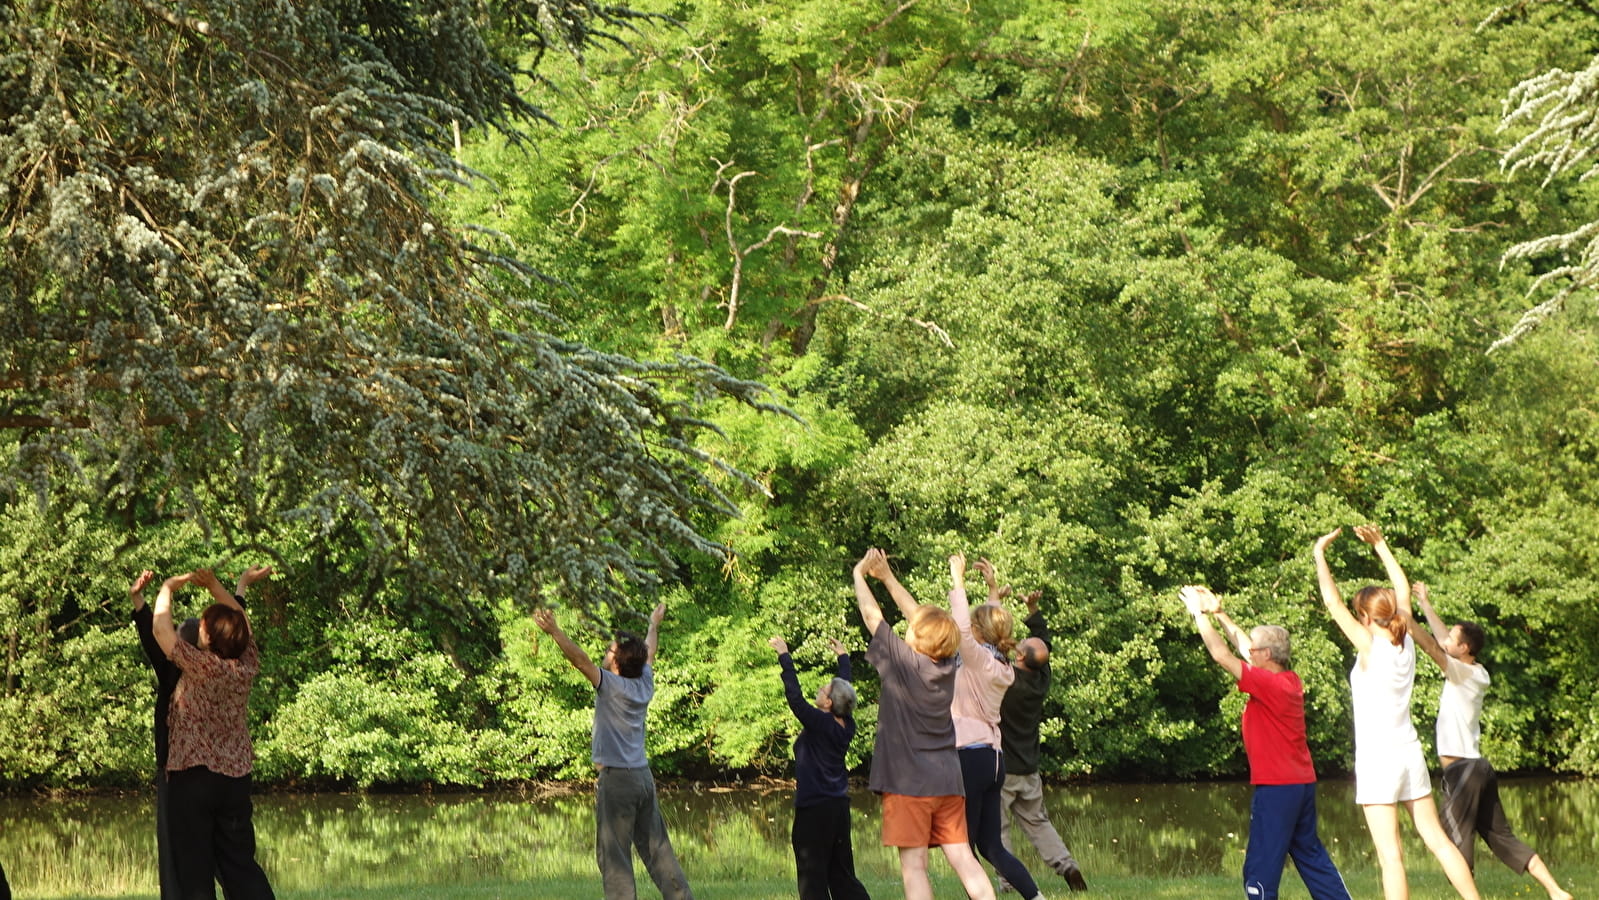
<point>1390,770</point>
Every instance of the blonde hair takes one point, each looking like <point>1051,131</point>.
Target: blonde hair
<point>1379,605</point>
<point>933,633</point>
<point>994,625</point>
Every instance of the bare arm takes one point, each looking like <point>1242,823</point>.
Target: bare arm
<point>573,653</point>
<point>1194,598</point>
<point>161,624</point>
<point>871,613</point>
<point>652,638</point>
<point>1372,535</point>
<point>995,592</point>
<point>250,576</point>
<point>1234,633</point>
<point>1431,644</point>
<point>1353,630</point>
<point>208,580</point>
<point>959,606</point>
<point>902,597</point>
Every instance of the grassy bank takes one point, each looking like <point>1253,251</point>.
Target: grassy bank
<point>1426,883</point>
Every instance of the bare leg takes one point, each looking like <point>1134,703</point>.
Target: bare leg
<point>913,873</point>
<point>1540,873</point>
<point>971,873</point>
<point>1425,815</point>
<point>1382,820</point>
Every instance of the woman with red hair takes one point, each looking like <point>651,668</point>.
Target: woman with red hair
<point>1390,770</point>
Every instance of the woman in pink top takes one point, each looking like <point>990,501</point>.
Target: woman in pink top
<point>209,756</point>
<point>985,674</point>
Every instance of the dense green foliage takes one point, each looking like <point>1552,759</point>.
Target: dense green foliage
<point>1121,295</point>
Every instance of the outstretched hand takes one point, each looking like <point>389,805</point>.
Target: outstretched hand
<point>986,569</point>
<point>1371,534</point>
<point>875,565</point>
<point>957,568</point>
<point>136,589</point>
<point>1418,589</point>
<point>778,644</point>
<point>1030,598</point>
<point>837,646</point>
<point>545,620</point>
<point>178,581</point>
<point>1193,597</point>
<point>658,613</point>
<point>253,574</point>
<point>1324,540</point>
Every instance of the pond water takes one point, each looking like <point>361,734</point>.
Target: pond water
<point>106,845</point>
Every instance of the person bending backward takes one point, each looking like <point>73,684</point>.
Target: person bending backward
<point>166,677</point>
<point>1471,787</point>
<point>1021,713</point>
<point>209,757</point>
<point>1390,770</point>
<point>1282,811</point>
<point>824,856</point>
<point>915,766</point>
<point>982,679</point>
<point>627,813</point>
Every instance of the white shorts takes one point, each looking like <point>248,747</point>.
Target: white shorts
<point>1394,776</point>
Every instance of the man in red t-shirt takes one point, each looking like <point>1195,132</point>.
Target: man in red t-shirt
<point>1282,812</point>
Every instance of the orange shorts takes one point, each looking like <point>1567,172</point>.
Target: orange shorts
<point>923,821</point>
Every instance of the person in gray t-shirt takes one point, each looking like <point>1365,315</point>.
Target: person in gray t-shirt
<point>626,812</point>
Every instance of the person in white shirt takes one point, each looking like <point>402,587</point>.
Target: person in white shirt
<point>1470,786</point>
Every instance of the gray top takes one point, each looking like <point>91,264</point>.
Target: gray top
<point>620,705</point>
<point>915,753</point>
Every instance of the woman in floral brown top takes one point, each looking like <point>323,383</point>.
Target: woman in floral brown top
<point>209,756</point>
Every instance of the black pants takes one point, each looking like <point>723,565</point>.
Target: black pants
<point>5,886</point>
<point>213,837</point>
<point>983,770</point>
<point>1471,807</point>
<point>824,857</point>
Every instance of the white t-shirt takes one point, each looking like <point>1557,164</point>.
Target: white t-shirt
<point>1460,709</point>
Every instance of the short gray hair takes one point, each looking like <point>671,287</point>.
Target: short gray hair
<point>844,699</point>
<point>1274,638</point>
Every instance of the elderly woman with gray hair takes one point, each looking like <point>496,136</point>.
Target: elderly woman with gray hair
<point>824,856</point>
<point>1282,812</point>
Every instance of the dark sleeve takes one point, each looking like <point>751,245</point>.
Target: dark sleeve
<point>807,714</point>
<point>144,624</point>
<point>1038,628</point>
<point>843,666</point>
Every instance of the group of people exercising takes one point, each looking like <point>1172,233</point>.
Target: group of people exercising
<point>956,755</point>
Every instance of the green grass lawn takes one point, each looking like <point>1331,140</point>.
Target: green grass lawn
<point>1426,883</point>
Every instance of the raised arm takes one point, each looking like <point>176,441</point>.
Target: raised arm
<point>208,579</point>
<point>1234,633</point>
<point>1372,535</point>
<point>573,653</point>
<point>1197,599</point>
<point>873,563</point>
<point>995,592</point>
<point>250,577</point>
<point>959,606</point>
<point>1357,635</point>
<point>143,617</point>
<point>902,597</point>
<point>161,623</point>
<point>842,655</point>
<point>652,638</point>
<point>1431,644</point>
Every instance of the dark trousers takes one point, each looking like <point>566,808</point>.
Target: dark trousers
<point>628,816</point>
<point>213,837</point>
<point>166,861</point>
<point>5,886</point>
<point>824,857</point>
<point>1471,807</point>
<point>983,770</point>
<point>1282,823</point>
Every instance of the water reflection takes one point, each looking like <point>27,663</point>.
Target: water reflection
<point>105,845</point>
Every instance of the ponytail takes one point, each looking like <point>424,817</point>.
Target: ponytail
<point>1378,605</point>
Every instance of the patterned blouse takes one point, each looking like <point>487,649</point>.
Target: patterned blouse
<point>210,711</point>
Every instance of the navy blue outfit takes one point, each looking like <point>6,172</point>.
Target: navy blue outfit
<point>824,858</point>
